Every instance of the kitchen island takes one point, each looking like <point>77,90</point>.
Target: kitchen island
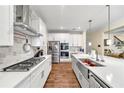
<point>111,73</point>
<point>34,78</point>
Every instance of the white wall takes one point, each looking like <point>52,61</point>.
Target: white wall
<point>97,37</point>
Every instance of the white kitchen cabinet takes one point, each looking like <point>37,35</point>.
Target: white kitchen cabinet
<point>74,66</point>
<point>73,39</point>
<point>25,83</point>
<point>38,77</point>
<point>82,80</point>
<point>36,41</point>
<point>35,22</point>
<point>6,25</point>
<point>47,68</point>
<point>38,24</point>
<point>62,37</point>
<point>76,39</point>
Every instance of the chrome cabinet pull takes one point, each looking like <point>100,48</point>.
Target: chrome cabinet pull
<point>42,74</point>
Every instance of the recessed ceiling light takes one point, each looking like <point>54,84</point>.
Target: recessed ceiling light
<point>61,27</point>
<point>76,28</point>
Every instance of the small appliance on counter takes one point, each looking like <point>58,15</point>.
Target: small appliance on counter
<point>39,53</point>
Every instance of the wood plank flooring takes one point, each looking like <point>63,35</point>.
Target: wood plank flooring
<point>62,76</point>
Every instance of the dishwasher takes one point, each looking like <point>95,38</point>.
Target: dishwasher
<point>95,82</point>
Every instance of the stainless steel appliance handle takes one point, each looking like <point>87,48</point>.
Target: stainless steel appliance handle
<point>42,74</point>
<point>101,83</point>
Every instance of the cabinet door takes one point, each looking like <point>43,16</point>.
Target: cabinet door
<point>74,67</point>
<point>35,24</point>
<point>83,82</point>
<point>6,25</point>
<point>36,41</point>
<point>47,69</point>
<point>71,40</point>
<point>25,83</point>
<point>80,40</point>
<point>34,21</point>
<point>37,79</point>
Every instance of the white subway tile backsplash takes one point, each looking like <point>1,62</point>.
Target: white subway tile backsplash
<point>14,54</point>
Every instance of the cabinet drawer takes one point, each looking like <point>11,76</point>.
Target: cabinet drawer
<point>37,71</point>
<point>38,80</point>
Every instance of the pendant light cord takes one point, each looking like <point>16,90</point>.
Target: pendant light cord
<point>108,6</point>
<point>90,25</point>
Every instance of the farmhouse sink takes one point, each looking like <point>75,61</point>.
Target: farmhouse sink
<point>91,63</point>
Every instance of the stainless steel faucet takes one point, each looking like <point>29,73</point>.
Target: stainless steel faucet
<point>97,59</point>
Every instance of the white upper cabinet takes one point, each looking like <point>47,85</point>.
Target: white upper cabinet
<point>76,39</point>
<point>6,25</point>
<point>38,24</point>
<point>62,37</point>
<point>34,21</point>
<point>36,41</point>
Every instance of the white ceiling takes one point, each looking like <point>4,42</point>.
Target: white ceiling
<point>66,17</point>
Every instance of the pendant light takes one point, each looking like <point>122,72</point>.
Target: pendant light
<point>90,21</point>
<point>109,33</point>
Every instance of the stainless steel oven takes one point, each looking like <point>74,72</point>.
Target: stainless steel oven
<point>64,54</point>
<point>64,46</point>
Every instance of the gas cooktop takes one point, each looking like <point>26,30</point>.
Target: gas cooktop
<point>24,66</point>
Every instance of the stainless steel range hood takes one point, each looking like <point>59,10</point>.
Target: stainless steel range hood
<point>23,28</point>
<point>22,18</point>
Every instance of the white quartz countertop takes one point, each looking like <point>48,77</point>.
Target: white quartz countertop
<point>112,73</point>
<point>12,79</point>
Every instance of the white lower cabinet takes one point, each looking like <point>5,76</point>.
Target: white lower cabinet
<point>38,77</point>
<point>25,83</point>
<point>47,68</point>
<point>82,80</point>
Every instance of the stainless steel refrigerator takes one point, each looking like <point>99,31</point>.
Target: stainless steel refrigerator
<point>54,50</point>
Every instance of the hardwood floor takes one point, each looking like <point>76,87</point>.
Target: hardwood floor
<point>62,76</point>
